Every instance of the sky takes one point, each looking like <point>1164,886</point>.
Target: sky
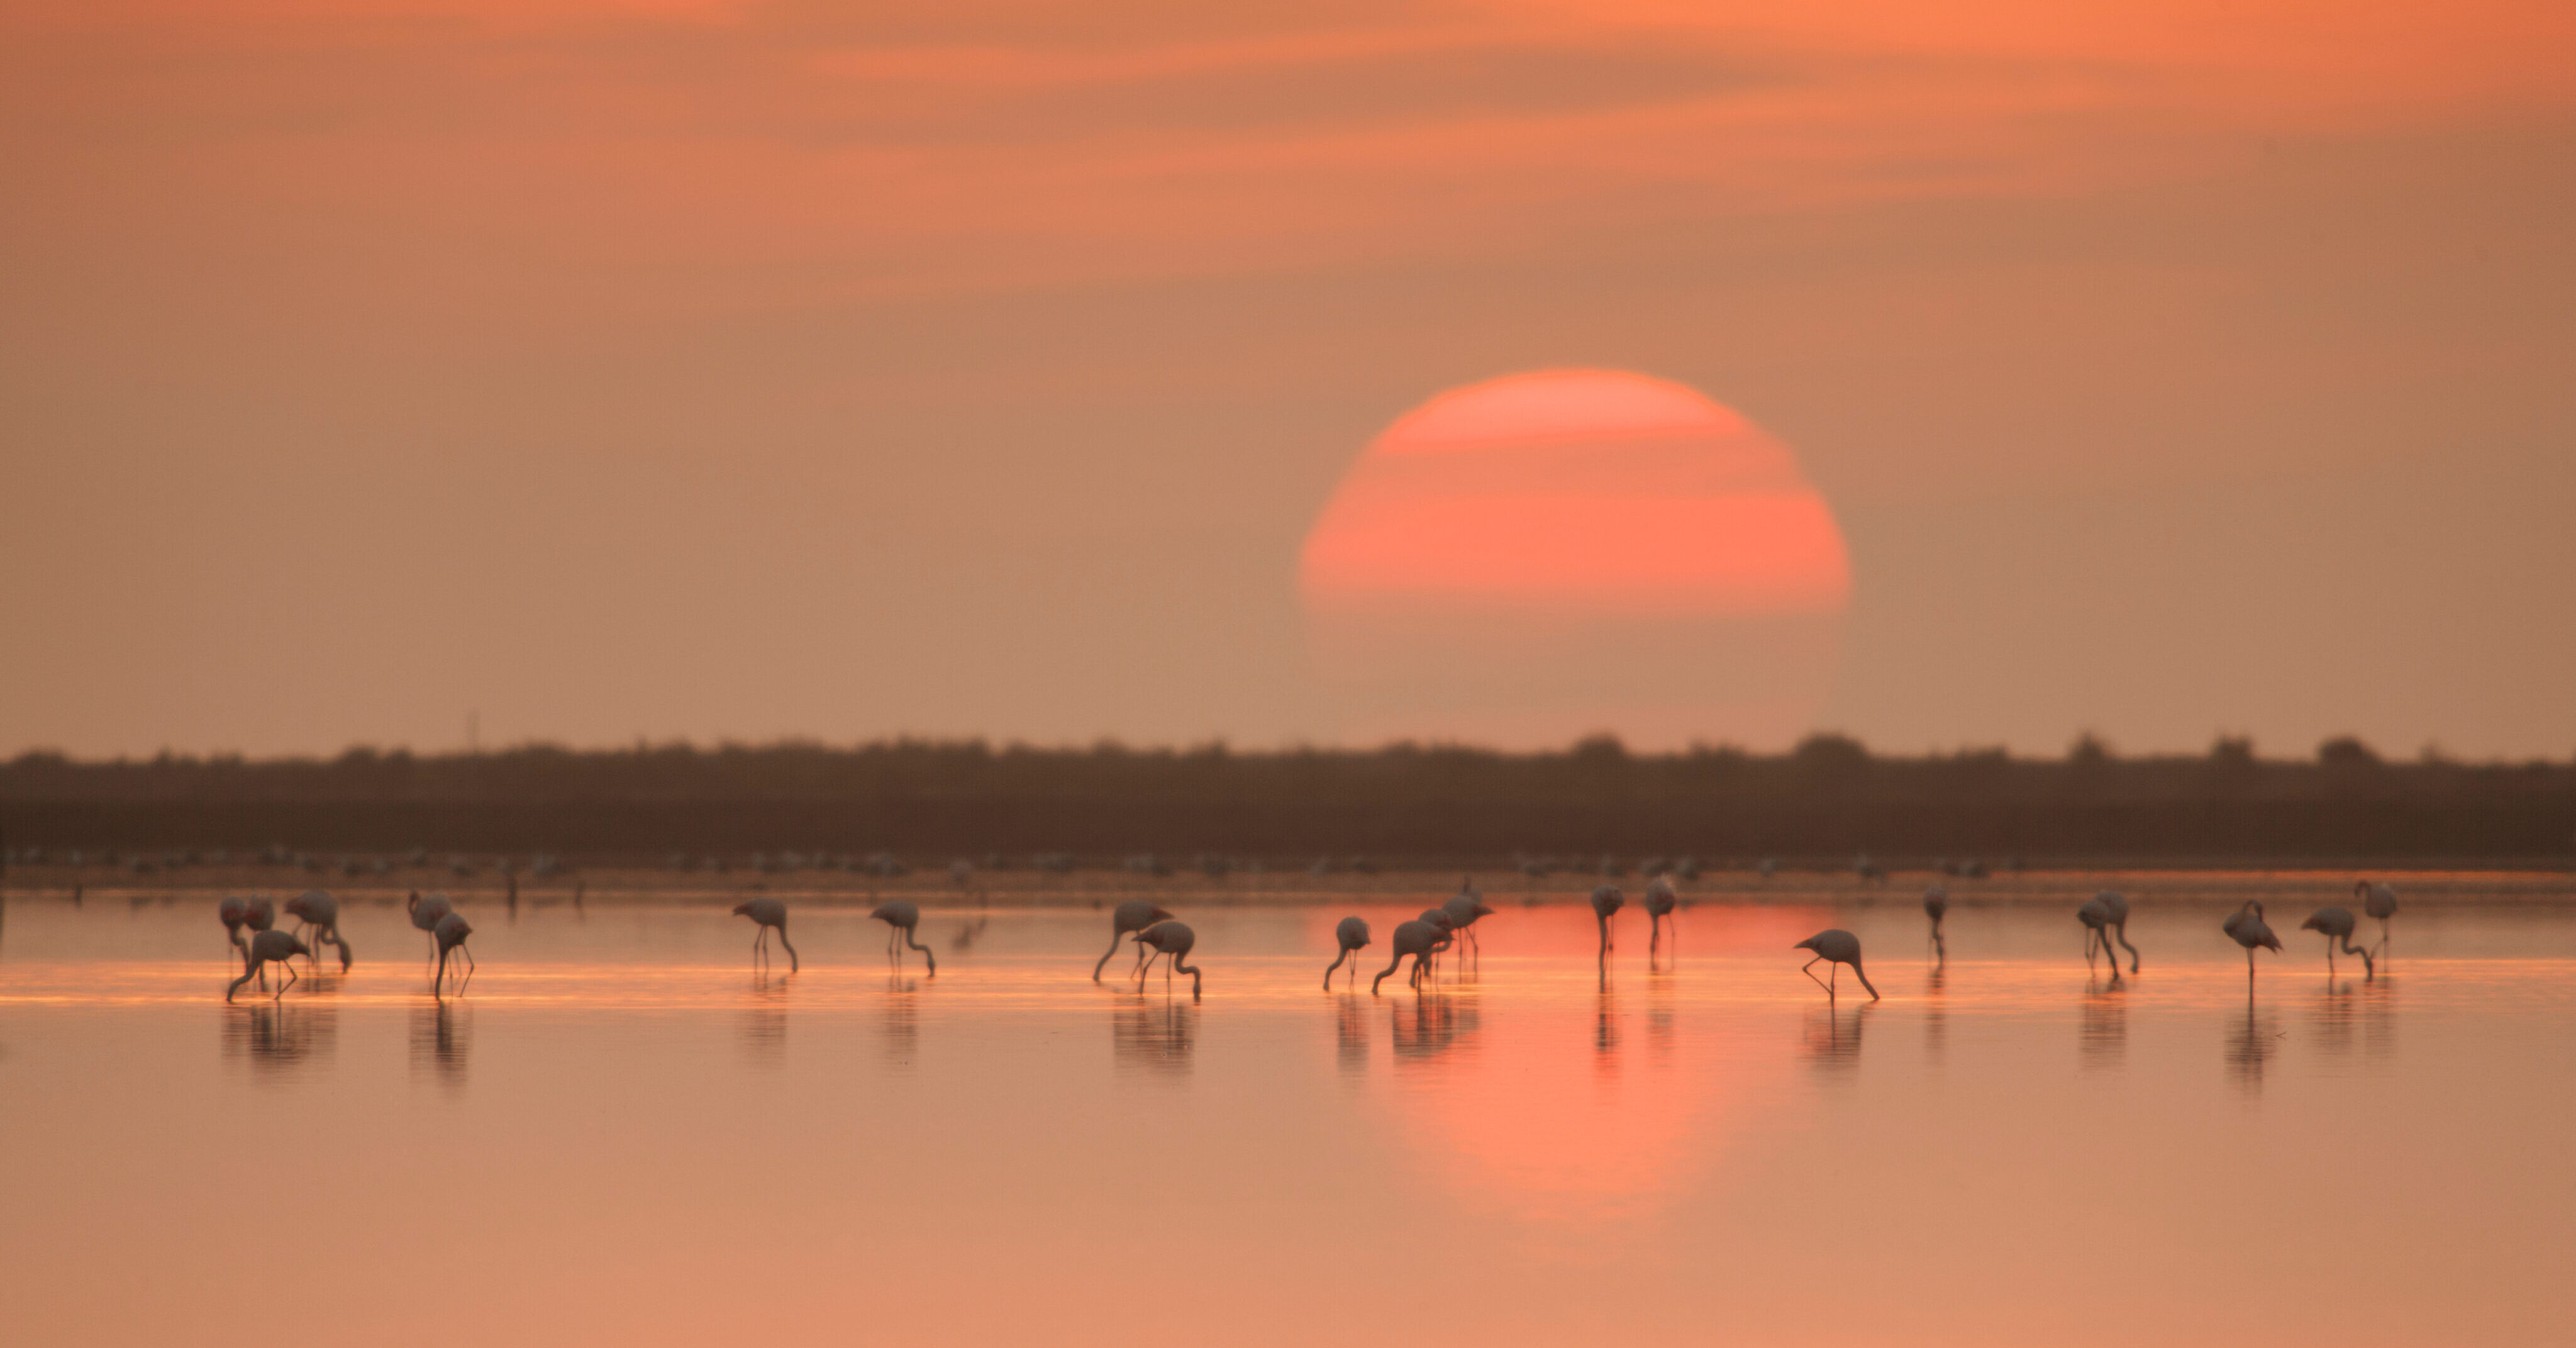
<point>747,370</point>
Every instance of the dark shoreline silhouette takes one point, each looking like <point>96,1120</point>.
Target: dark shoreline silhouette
<point>1828,799</point>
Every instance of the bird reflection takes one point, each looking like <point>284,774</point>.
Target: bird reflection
<point>2379,1018</point>
<point>764,1018</point>
<point>442,1033</point>
<point>279,1038</point>
<point>1154,1034</point>
<point>1431,1026</point>
<point>1659,1013</point>
<point>2102,1035</point>
<point>1605,1029</point>
<point>2251,1042</point>
<point>902,1024</point>
<point>1833,1038</point>
<point>1351,1031</point>
<point>1936,1013</point>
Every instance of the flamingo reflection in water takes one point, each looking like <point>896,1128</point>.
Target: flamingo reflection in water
<point>1660,904</point>
<point>1838,947</point>
<point>2336,924</point>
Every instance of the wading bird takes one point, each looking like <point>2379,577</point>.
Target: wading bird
<point>425,914</point>
<point>258,916</point>
<point>1131,917</point>
<point>2379,901</point>
<point>1465,908</point>
<point>1605,901</point>
<point>234,912</point>
<point>1171,940</point>
<point>2247,928</point>
<point>2096,917</point>
<point>1353,936</point>
<point>320,914</point>
<point>766,913</point>
<point>1438,918</point>
<point>1936,905</point>
<point>901,917</point>
<point>2117,905</point>
<point>1660,903</point>
<point>267,948</point>
<point>2336,923</point>
<point>450,935</point>
<point>1839,947</point>
<point>1413,938</point>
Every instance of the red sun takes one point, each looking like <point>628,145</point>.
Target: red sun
<point>1553,553</point>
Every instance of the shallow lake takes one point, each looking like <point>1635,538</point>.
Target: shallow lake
<point>621,1133</point>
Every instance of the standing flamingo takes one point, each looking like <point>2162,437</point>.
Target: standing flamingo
<point>267,948</point>
<point>2096,917</point>
<point>1465,908</point>
<point>765,913</point>
<point>234,912</point>
<point>1660,903</point>
<point>1171,940</point>
<point>1413,938</point>
<point>1838,947</point>
<point>1605,901</point>
<point>2380,902</point>
<point>901,918</point>
<point>425,914</point>
<point>1131,917</point>
<point>1936,905</point>
<point>2246,927</point>
<point>2117,905</point>
<point>1352,935</point>
<point>2336,923</point>
<point>450,935</point>
<point>320,914</point>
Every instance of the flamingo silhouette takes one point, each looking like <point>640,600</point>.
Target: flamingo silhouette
<point>1838,947</point>
<point>234,912</point>
<point>1352,934</point>
<point>320,914</point>
<point>2247,928</point>
<point>1130,917</point>
<point>2116,905</point>
<point>450,935</point>
<point>1438,918</point>
<point>1660,903</point>
<point>258,916</point>
<point>766,913</point>
<point>425,915</point>
<point>1413,938</point>
<point>1465,909</point>
<point>902,917</point>
<point>2379,901</point>
<point>1936,905</point>
<point>1172,941</point>
<point>2096,917</point>
<point>1605,901</point>
<point>2336,923</point>
<point>267,948</point>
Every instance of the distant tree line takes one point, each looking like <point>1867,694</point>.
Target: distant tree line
<point>1829,797</point>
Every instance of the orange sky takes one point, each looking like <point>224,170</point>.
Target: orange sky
<point>750,369</point>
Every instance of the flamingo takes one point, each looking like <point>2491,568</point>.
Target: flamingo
<point>425,914</point>
<point>1439,918</point>
<point>1413,938</point>
<point>2096,917</point>
<point>1838,947</point>
<point>2379,901</point>
<point>1465,908</point>
<point>901,918</point>
<point>1134,915</point>
<point>2246,927</point>
<point>2336,924</point>
<point>1352,934</point>
<point>258,916</point>
<point>320,914</point>
<point>766,913</point>
<point>2117,905</point>
<point>267,948</point>
<point>1173,940</point>
<point>450,934</point>
<point>1605,901</point>
<point>1936,905</point>
<point>1660,903</point>
<point>234,912</point>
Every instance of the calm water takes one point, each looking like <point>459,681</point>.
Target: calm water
<point>622,1135</point>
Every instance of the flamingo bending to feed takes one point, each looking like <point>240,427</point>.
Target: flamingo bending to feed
<point>1131,917</point>
<point>1660,903</point>
<point>2336,923</point>
<point>267,948</point>
<point>320,914</point>
<point>1352,934</point>
<point>2096,917</point>
<point>425,915</point>
<point>450,935</point>
<point>902,917</point>
<point>1413,938</point>
<point>1839,948</point>
<point>234,912</point>
<point>1172,942</point>
<point>1465,909</point>
<point>1605,901</point>
<point>766,913</point>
